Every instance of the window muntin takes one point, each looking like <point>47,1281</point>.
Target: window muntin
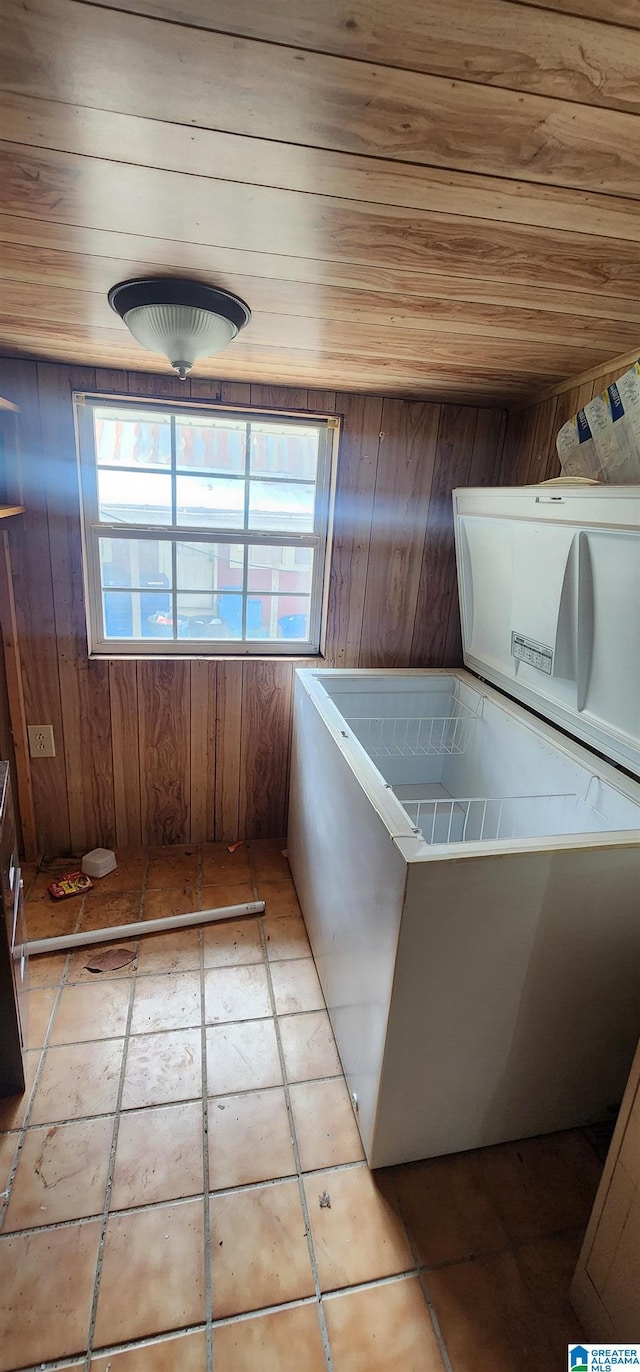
<point>204,530</point>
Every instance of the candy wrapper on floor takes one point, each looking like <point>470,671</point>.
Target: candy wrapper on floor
<point>73,884</point>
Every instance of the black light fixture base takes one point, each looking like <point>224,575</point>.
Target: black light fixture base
<point>175,290</point>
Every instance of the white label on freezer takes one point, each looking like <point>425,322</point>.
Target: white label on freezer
<point>535,654</point>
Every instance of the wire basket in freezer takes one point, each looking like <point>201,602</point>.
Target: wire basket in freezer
<point>419,736</point>
<point>469,819</point>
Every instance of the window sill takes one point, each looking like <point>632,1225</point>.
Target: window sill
<point>206,657</point>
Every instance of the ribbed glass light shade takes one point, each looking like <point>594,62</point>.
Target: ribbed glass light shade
<point>182,332</point>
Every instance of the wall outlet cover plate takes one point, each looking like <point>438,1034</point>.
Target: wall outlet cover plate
<point>41,740</point>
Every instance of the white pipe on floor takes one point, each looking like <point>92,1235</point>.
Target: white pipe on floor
<point>149,926</point>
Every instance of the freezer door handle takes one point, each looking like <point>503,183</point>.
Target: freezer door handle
<point>586,623</point>
<point>573,648</point>
<point>465,585</point>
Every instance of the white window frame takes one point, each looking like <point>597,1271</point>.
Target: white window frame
<point>93,529</point>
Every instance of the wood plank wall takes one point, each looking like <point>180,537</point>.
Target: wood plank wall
<point>529,450</point>
<point>181,751</point>
<point>7,752</point>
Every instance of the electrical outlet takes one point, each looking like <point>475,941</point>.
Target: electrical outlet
<point>41,740</point>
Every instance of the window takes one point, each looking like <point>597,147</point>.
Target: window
<point>205,530</point>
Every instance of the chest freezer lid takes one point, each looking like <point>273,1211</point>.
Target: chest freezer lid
<point>549,586</point>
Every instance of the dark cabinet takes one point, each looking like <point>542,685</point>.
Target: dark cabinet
<point>13,957</point>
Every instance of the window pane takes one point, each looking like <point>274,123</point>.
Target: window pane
<point>282,616</point>
<point>137,614</point>
<point>276,569</point>
<point>169,482</point>
<point>209,566</point>
<point>210,502</point>
<point>209,616</point>
<point>281,449</point>
<point>134,497</point>
<point>141,562</point>
<point>214,445</point>
<point>127,439</point>
<point>281,506</point>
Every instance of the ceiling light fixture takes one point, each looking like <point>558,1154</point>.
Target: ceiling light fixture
<point>184,320</point>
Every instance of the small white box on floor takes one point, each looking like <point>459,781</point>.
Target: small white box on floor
<point>99,862</point>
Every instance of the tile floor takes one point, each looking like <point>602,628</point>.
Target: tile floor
<point>162,1175</point>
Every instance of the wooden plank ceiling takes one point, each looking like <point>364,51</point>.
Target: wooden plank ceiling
<point>417,199</point>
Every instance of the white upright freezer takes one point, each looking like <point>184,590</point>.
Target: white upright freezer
<point>468,873</point>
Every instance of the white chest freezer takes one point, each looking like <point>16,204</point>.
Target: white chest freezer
<point>470,875</point>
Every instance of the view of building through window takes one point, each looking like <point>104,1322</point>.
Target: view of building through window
<point>206,526</point>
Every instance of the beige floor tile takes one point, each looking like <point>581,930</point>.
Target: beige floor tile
<point>36,892</point>
<point>447,1208</point>
<point>487,1320</point>
<point>225,893</point>
<point>326,1129</point>
<point>177,950</point>
<point>101,911</point>
<point>129,874</point>
<point>46,1285</point>
<point>14,1108</point>
<point>232,943</point>
<point>8,1147</point>
<point>269,861</point>
<point>286,937</point>
<point>152,1273</point>
<point>547,1267</point>
<point>382,1329</point>
<point>168,1001</point>
<point>45,969</point>
<point>280,898</point>
<point>78,1079</point>
<point>249,1139</point>
<point>285,1341</point>
<point>183,1353</point>
<point>542,1184</point>
<point>77,971</point>
<point>173,865</point>
<point>219,865</point>
<point>39,890</point>
<point>296,986</point>
<point>259,1249</point>
<point>309,1046</point>
<point>242,1057</point>
<point>162,1068</point>
<point>360,1236</point>
<point>233,993</point>
<point>176,900</point>
<point>51,919</point>
<point>38,1007</point>
<point>158,1156</point>
<point>94,1011</point>
<point>62,1174</point>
